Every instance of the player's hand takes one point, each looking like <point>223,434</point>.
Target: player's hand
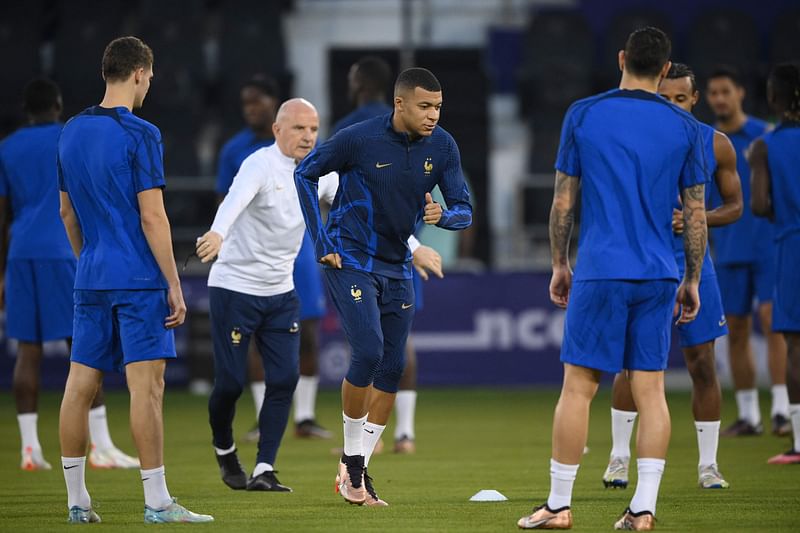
<point>687,303</point>
<point>426,259</point>
<point>433,210</point>
<point>332,260</point>
<point>560,285</point>
<point>208,246</point>
<point>677,221</point>
<point>177,307</point>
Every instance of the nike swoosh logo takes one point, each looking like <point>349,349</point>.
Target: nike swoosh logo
<point>68,467</point>
<point>382,165</point>
<point>406,306</point>
<point>630,420</point>
<point>722,323</point>
<point>368,431</point>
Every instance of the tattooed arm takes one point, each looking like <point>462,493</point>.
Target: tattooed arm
<point>562,219</point>
<point>694,245</point>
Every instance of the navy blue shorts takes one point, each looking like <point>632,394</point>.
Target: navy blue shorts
<point>115,328</point>
<point>614,324</point>
<point>308,281</point>
<point>376,314</point>
<point>786,305</point>
<point>739,284</point>
<point>710,322</point>
<point>275,323</point>
<point>419,300</point>
<point>39,299</point>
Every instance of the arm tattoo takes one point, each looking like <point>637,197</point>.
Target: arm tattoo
<point>562,217</point>
<point>695,230</point>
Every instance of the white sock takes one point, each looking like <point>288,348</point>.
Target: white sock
<point>794,414</point>
<point>258,388</point>
<point>707,441</point>
<point>747,401</point>
<point>562,477</point>
<point>621,431</point>
<point>156,495</point>
<point>98,429</point>
<point>354,435</point>
<point>28,431</point>
<point>780,401</point>
<point>261,468</point>
<point>220,451</point>
<point>74,468</point>
<point>405,404</point>
<point>650,472</point>
<point>372,434</point>
<point>305,398</point>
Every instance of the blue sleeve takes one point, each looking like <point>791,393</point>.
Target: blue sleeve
<point>148,162</point>
<point>458,214</point>
<point>696,168</point>
<point>225,171</point>
<point>568,159</point>
<point>332,155</point>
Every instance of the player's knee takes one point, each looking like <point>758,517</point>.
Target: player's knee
<point>286,381</point>
<point>227,388</point>
<point>702,370</point>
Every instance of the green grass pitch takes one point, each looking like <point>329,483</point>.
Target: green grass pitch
<point>468,439</point>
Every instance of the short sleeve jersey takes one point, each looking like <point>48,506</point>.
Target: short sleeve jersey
<point>783,158</point>
<point>106,157</point>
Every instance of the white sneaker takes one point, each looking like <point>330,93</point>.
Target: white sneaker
<point>111,458</point>
<point>32,459</point>
<point>616,475</point>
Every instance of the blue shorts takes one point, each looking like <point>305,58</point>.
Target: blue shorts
<point>710,322</point>
<point>39,299</point>
<point>115,328</point>
<point>419,300</point>
<point>614,324</point>
<point>308,281</point>
<point>740,283</point>
<point>786,305</point>
<point>376,314</point>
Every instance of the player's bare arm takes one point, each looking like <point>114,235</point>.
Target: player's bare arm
<point>761,200</point>
<point>562,220</point>
<point>71,224</point>
<point>695,237</point>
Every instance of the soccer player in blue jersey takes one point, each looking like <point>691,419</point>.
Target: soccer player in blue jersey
<point>775,163</point>
<point>697,337</point>
<point>387,166</point>
<point>744,256</point>
<point>38,271</point>
<point>128,295</point>
<point>627,152</point>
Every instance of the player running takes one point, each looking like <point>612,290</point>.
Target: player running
<point>775,160</point>
<point>628,151</point>
<point>387,166</point>
<point>744,256</point>
<point>128,295</point>
<point>697,337</point>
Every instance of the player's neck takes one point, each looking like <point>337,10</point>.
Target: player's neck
<point>118,95</point>
<point>630,82</point>
<point>733,123</point>
<point>399,127</point>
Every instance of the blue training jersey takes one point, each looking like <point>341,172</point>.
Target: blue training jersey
<point>383,178</point>
<point>632,151</point>
<point>750,237</point>
<point>233,153</point>
<point>783,157</point>
<point>677,241</point>
<point>360,114</point>
<point>28,179</point>
<point>106,157</point>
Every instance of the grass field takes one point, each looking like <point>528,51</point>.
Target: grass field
<point>468,439</point>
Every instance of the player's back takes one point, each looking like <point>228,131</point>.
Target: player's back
<point>783,156</point>
<point>632,151</point>
<point>28,179</point>
<point>106,158</point>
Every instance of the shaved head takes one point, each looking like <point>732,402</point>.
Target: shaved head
<point>294,106</point>
<point>296,128</point>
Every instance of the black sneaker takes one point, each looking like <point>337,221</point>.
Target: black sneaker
<point>781,426</point>
<point>372,496</point>
<point>742,428</point>
<point>309,429</point>
<point>231,471</point>
<point>266,481</point>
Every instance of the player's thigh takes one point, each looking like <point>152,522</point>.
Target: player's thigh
<point>397,315</point>
<point>234,318</point>
<point>22,306</point>
<point>786,302</point>
<point>140,316</point>
<point>278,340</point>
<point>595,324</point>
<point>355,296</point>
<point>419,295</point>
<point>54,282</point>
<point>710,322</point>
<point>308,282</point>
<point>95,338</point>
<point>737,288</point>
<point>650,325</point>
